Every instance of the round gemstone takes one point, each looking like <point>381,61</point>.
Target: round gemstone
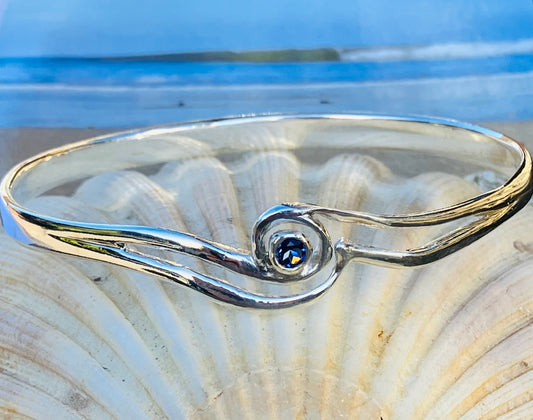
<point>291,252</point>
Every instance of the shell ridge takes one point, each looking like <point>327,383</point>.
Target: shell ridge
<point>250,174</point>
<point>378,284</point>
<point>345,183</point>
<point>402,282</point>
<point>482,249</point>
<point>170,177</point>
<point>399,282</point>
<point>504,325</point>
<point>105,310</point>
<point>92,377</point>
<point>17,400</point>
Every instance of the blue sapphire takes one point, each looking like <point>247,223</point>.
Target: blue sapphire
<point>291,252</point>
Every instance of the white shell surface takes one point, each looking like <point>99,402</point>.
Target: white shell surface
<point>451,340</point>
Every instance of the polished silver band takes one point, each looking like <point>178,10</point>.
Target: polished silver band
<point>279,252</point>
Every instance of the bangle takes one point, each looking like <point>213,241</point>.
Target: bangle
<point>290,242</point>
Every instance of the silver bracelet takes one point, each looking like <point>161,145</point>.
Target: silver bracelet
<point>290,242</point>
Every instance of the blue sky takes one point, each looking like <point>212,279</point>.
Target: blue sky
<point>118,27</point>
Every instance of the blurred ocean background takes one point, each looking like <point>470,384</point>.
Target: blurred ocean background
<point>102,63</point>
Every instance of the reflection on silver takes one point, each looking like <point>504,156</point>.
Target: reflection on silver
<point>325,257</point>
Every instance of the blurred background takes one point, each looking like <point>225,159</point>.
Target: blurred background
<point>69,68</point>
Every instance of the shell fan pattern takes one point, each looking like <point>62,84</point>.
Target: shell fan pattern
<point>87,340</point>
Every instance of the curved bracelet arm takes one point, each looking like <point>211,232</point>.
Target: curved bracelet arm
<point>112,244</point>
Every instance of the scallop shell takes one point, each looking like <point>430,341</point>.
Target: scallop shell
<point>451,340</point>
